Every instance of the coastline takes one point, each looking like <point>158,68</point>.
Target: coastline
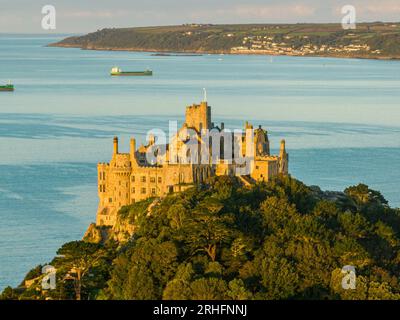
<point>225,52</point>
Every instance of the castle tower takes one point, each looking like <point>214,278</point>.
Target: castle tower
<point>261,143</point>
<point>199,116</point>
<point>283,159</point>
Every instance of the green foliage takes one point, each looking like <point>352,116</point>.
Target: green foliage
<point>209,289</point>
<point>275,240</point>
<point>8,294</point>
<point>362,195</point>
<point>135,211</point>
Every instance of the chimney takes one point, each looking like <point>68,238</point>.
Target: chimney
<point>132,148</point>
<point>115,145</point>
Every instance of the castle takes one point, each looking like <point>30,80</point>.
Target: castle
<point>197,151</point>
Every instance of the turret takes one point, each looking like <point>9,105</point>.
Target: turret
<point>115,145</point>
<point>261,142</point>
<point>283,159</point>
<point>283,147</point>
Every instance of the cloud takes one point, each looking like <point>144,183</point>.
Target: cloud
<point>94,14</point>
<point>383,8</point>
<point>370,10</point>
<point>286,11</point>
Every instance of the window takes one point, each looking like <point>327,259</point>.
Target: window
<point>153,191</point>
<point>133,178</point>
<point>257,167</point>
<point>159,179</point>
<point>152,180</point>
<point>110,200</point>
<point>143,191</point>
<point>143,179</point>
<point>133,190</point>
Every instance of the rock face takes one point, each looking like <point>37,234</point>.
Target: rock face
<point>93,234</point>
<point>122,230</point>
<point>125,224</point>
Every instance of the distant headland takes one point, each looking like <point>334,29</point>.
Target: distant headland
<point>376,40</point>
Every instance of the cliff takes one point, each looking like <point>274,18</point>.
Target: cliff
<point>126,223</point>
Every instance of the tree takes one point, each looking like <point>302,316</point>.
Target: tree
<point>8,294</point>
<point>363,195</point>
<point>78,258</point>
<point>206,233</point>
<point>237,290</point>
<point>209,289</point>
<point>278,277</point>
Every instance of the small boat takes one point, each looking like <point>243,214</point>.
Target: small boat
<point>7,87</point>
<point>118,72</point>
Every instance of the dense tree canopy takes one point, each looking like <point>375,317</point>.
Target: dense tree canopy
<point>276,240</point>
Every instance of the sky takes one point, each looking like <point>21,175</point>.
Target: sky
<point>82,16</point>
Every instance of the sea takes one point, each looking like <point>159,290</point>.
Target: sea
<point>340,119</point>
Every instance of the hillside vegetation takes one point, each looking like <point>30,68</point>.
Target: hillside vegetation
<point>368,40</point>
<point>278,240</point>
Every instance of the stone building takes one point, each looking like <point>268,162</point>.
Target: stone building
<point>188,159</point>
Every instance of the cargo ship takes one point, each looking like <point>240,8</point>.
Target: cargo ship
<point>118,72</point>
<point>7,87</point>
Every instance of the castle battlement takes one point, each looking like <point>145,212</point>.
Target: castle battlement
<point>130,178</point>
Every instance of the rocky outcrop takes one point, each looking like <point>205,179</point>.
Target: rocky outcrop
<point>97,234</point>
<point>125,224</point>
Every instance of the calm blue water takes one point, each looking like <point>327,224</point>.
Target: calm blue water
<point>340,119</point>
